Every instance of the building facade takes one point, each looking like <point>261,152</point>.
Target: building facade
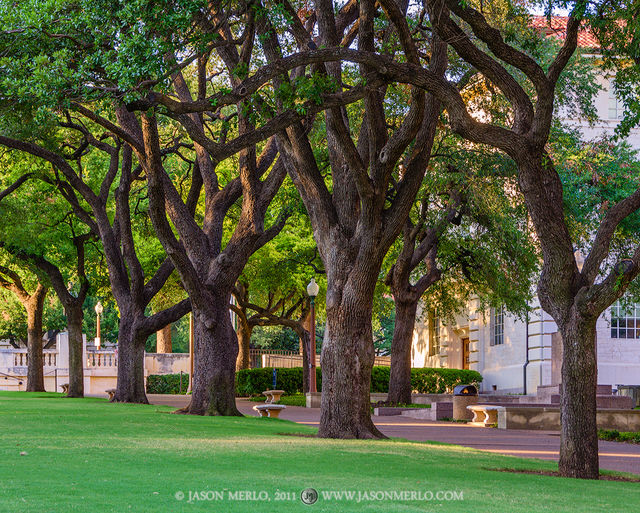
<point>518,355</point>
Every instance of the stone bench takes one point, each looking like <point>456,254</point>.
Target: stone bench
<point>269,409</point>
<point>484,415</point>
<point>273,396</point>
<point>111,392</point>
<point>65,388</point>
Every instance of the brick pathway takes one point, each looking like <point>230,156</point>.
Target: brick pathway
<point>527,444</point>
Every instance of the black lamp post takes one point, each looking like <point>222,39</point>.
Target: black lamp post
<point>312,289</point>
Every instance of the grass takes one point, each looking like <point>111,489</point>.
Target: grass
<point>86,455</point>
<point>289,400</point>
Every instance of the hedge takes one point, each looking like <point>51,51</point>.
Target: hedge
<point>442,381</point>
<point>167,383</point>
<point>251,382</point>
<point>254,381</point>
<point>425,381</point>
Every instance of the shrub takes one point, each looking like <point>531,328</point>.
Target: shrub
<point>167,383</point>
<point>252,382</point>
<point>617,436</point>
<point>442,381</point>
<point>380,379</point>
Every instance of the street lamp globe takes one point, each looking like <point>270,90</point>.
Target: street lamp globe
<point>99,308</point>
<point>313,288</point>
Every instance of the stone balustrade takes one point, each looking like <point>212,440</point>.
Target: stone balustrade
<point>102,359</point>
<point>21,357</point>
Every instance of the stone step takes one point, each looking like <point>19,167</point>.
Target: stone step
<point>438,411</point>
<point>604,401</point>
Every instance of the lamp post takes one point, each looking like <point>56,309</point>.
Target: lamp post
<point>312,290</point>
<point>99,310</point>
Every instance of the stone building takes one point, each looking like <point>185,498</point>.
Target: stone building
<point>518,355</point>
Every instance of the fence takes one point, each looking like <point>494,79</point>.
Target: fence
<point>291,359</point>
<point>256,356</point>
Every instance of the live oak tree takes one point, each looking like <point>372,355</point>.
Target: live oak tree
<point>468,240</point>
<point>272,288</point>
<point>357,216</point>
<point>107,214</point>
<point>162,61</point>
<point>31,293</point>
<point>52,241</point>
<point>575,297</point>
<point>71,297</point>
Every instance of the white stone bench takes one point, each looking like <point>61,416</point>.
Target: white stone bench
<point>269,409</point>
<point>484,415</point>
<point>273,396</point>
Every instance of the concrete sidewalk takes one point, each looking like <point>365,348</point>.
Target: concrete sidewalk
<point>623,457</point>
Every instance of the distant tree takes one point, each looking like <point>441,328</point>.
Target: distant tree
<point>574,296</point>
<point>108,213</point>
<point>470,239</point>
<point>31,293</point>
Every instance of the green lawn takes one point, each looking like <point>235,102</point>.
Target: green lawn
<point>89,455</point>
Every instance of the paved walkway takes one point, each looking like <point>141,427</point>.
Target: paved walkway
<point>524,443</point>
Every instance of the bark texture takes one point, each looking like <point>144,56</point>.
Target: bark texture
<point>33,303</point>
<point>347,357</point>
<point>35,310</point>
<point>130,384</point>
<point>75,316</point>
<point>244,344</point>
<point>579,432</point>
<point>400,372</point>
<point>215,361</point>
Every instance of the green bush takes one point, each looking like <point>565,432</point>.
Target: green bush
<point>442,381</point>
<point>617,436</point>
<point>252,382</point>
<point>167,383</point>
<point>380,379</point>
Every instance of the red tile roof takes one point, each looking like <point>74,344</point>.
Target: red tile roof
<point>557,26</point>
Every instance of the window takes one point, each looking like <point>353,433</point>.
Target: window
<point>434,334</point>
<point>616,107</point>
<point>497,326</point>
<point>625,320</point>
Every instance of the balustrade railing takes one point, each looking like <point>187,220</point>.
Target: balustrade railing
<point>102,359</point>
<point>49,358</point>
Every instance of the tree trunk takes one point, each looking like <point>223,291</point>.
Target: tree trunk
<point>216,353</point>
<point>35,310</point>
<point>75,316</point>
<point>347,356</point>
<point>130,387</point>
<point>244,338</point>
<point>579,431</point>
<point>400,376</point>
<point>163,340</point>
